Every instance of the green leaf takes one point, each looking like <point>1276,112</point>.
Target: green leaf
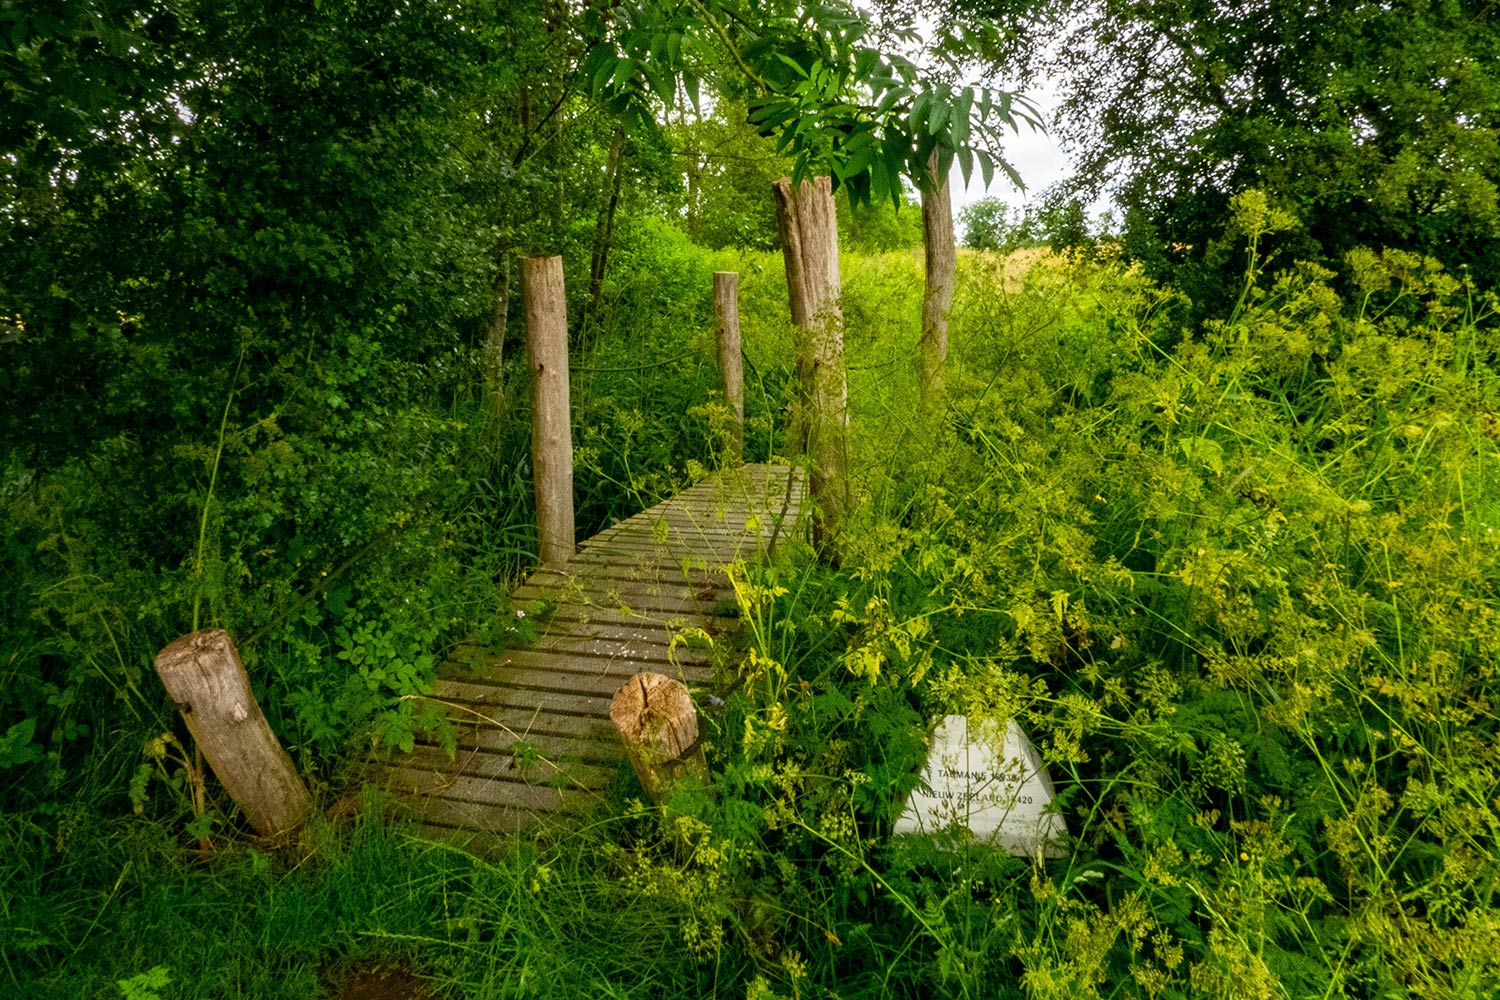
<point>16,747</point>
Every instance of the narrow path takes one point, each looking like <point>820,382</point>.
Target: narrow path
<point>532,724</point>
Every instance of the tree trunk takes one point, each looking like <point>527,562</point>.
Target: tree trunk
<point>604,230</point>
<point>203,674</point>
<point>551,420</point>
<point>727,325</point>
<point>656,720</point>
<point>494,339</point>
<point>942,275</point>
<point>809,232</point>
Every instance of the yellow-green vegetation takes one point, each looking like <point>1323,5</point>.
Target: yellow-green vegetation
<point>1237,579</point>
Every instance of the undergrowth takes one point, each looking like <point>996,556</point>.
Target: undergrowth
<point>1236,579</point>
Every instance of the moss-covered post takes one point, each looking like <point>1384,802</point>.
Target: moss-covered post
<point>809,232</point>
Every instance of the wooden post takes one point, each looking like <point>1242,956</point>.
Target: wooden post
<point>659,726</point>
<point>727,325</point>
<point>203,675</point>
<point>942,274</point>
<point>551,419</point>
<point>810,249</point>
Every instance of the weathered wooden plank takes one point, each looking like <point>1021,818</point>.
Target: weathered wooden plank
<point>699,603</point>
<point>502,819</point>
<point>564,637</point>
<point>596,746</point>
<point>477,694</point>
<point>590,586</point>
<point>637,630</point>
<point>618,616</point>
<point>417,781</point>
<point>567,662</point>
<point>531,769</point>
<point>632,647</point>
<point>606,568</point>
<point>522,722</point>
<point>600,684</point>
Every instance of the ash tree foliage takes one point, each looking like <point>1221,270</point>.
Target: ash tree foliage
<point>818,77</point>
<point>1376,123</point>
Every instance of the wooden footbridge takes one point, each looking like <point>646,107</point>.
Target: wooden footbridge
<point>532,728</point>
<point>534,738</point>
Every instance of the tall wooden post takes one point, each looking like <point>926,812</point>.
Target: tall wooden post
<point>810,249</point>
<point>941,260</point>
<point>203,674</point>
<point>551,418</point>
<point>658,724</point>
<point>727,326</point>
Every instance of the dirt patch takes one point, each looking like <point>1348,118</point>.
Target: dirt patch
<point>380,981</point>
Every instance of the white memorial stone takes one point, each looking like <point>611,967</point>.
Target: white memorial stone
<point>992,783</point>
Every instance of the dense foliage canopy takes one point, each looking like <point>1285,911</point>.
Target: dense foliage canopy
<point>1375,123</point>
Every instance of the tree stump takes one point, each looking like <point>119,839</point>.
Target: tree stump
<point>551,416</point>
<point>203,674</point>
<point>659,726</point>
<point>727,325</point>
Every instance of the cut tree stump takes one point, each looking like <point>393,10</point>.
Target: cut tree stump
<point>655,718</point>
<point>203,674</point>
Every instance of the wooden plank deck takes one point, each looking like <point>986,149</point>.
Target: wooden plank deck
<point>532,724</point>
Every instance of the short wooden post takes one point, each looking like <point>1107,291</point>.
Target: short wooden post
<point>808,226</point>
<point>203,674</point>
<point>727,325</point>
<point>551,418</point>
<point>659,726</point>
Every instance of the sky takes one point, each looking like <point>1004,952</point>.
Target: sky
<point>1036,156</point>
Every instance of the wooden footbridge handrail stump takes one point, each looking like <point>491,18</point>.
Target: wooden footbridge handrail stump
<point>731,366</point>
<point>808,225</point>
<point>658,724</point>
<point>203,674</point>
<point>551,409</point>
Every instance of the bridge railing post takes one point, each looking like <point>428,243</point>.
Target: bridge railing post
<point>204,677</point>
<point>551,418</point>
<point>731,368</point>
<point>806,221</point>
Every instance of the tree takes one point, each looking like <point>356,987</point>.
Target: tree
<point>818,77</point>
<point>1374,122</point>
<point>987,224</point>
<point>940,270</point>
